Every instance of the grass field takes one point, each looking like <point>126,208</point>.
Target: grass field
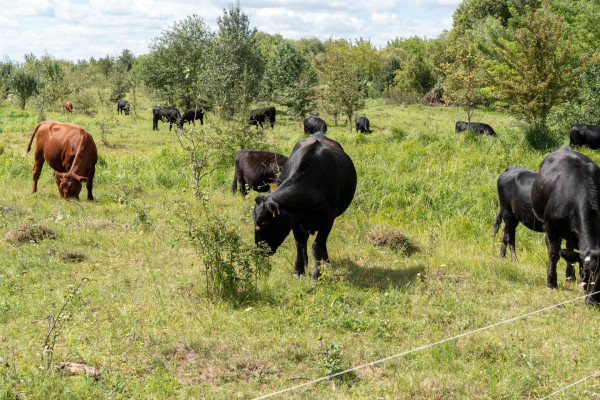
<point>143,319</point>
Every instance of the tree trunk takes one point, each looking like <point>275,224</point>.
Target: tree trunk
<point>23,101</point>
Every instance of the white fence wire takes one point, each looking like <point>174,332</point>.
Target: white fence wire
<point>506,321</point>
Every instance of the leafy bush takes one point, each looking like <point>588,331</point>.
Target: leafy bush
<point>232,267</point>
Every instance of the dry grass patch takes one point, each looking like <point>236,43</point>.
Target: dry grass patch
<point>392,238</point>
<point>31,233</point>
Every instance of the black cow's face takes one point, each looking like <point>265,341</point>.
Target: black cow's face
<point>271,225</point>
<point>127,110</point>
<point>70,184</point>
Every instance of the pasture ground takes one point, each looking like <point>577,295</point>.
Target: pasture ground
<point>143,319</point>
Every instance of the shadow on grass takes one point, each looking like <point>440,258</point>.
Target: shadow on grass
<point>375,277</point>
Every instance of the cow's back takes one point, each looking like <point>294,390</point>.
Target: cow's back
<point>320,166</point>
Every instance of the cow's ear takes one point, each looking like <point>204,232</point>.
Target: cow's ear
<point>259,199</point>
<point>81,179</point>
<point>272,207</point>
<point>61,175</point>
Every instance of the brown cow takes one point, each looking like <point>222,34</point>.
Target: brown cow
<point>68,106</point>
<point>70,151</point>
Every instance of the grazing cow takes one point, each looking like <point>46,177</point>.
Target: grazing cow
<point>514,196</point>
<point>565,196</point>
<point>68,106</point>
<point>165,114</point>
<point>70,151</point>
<point>585,135</point>
<point>362,125</point>
<point>313,124</point>
<point>123,106</point>
<point>261,115</point>
<point>317,185</point>
<point>476,127</point>
<point>192,115</point>
<point>256,170</point>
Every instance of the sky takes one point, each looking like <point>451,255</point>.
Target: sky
<point>78,29</point>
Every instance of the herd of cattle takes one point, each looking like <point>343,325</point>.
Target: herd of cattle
<point>314,185</point>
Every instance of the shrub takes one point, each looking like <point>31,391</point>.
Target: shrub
<point>232,267</point>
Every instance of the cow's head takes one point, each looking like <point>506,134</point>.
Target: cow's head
<point>127,110</point>
<point>70,184</point>
<point>271,224</point>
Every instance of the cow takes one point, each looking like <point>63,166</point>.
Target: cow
<point>192,115</point>
<point>585,135</point>
<point>313,124</point>
<point>514,196</point>
<point>70,151</point>
<point>256,170</point>
<point>68,106</point>
<point>165,114</point>
<point>362,125</point>
<point>261,115</point>
<point>565,196</point>
<point>123,107</point>
<point>476,127</point>
<point>317,184</point>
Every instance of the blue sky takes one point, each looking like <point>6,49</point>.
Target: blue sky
<point>75,29</point>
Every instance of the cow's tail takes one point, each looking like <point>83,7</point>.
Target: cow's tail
<point>32,136</point>
<point>235,179</point>
<point>497,223</point>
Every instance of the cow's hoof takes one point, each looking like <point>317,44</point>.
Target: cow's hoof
<point>551,285</point>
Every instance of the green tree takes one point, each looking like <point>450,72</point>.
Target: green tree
<point>126,59</point>
<point>23,84</point>
<point>464,75</point>
<point>341,82</point>
<point>119,82</point>
<point>172,68</point>
<point>233,65</point>
<point>538,70</point>
<point>7,67</point>
<point>289,79</point>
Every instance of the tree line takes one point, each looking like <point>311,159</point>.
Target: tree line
<point>534,59</point>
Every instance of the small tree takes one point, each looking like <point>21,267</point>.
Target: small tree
<point>24,84</point>
<point>464,74</point>
<point>538,70</point>
<point>233,64</point>
<point>341,82</point>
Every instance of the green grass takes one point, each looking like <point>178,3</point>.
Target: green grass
<point>142,316</point>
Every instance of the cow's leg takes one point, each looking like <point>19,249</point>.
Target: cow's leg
<point>569,255</point>
<point>319,249</point>
<point>90,182</point>
<point>57,180</point>
<point>243,187</point>
<point>38,164</point>
<point>553,244</point>
<point>155,124</point>
<point>301,238</point>
<point>511,228</point>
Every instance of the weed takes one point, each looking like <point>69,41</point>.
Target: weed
<point>392,238</point>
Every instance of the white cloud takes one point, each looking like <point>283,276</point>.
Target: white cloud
<point>74,30</point>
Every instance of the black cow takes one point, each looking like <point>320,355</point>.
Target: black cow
<point>165,114</point>
<point>514,196</point>
<point>313,124</point>
<point>256,170</point>
<point>317,185</point>
<point>263,114</point>
<point>476,127</point>
<point>192,115</point>
<point>585,135</point>
<point>362,125</point>
<point>565,196</point>
<point>123,106</point>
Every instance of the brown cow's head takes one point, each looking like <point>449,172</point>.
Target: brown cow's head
<point>70,184</point>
